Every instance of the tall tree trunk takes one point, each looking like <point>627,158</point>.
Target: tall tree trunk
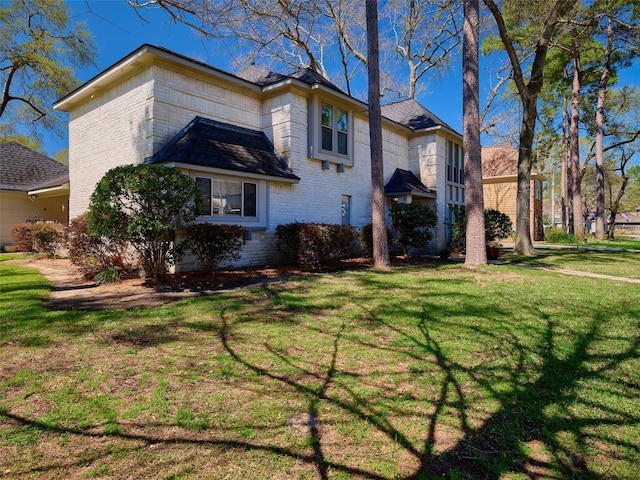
<point>476,253</point>
<point>524,245</point>
<point>602,93</point>
<point>378,220</point>
<point>574,145</point>
<point>563,168</point>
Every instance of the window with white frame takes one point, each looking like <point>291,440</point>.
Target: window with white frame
<point>232,198</point>
<point>455,183</point>
<point>346,209</point>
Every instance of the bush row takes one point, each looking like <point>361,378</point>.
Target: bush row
<point>39,237</point>
<point>558,235</point>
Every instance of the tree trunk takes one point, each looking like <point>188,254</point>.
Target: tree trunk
<point>476,253</point>
<point>574,146</point>
<point>524,245</point>
<point>563,168</point>
<point>378,220</point>
<point>602,93</point>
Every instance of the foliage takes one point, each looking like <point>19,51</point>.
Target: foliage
<point>110,275</point>
<point>414,223</point>
<point>39,236</point>
<point>314,244</point>
<point>365,235</point>
<point>497,226</point>
<point>143,204</point>
<point>213,243</point>
<point>39,46</point>
<point>93,253</point>
<point>557,235</point>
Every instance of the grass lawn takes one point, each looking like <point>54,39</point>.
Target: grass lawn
<point>423,372</point>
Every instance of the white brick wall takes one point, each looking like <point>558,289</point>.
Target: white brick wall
<point>137,117</point>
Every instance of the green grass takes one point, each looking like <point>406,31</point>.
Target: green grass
<point>425,372</point>
<point>618,264</point>
<point>621,242</point>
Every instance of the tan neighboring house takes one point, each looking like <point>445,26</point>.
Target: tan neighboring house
<point>30,184</point>
<point>500,185</point>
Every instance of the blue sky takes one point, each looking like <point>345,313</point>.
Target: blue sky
<point>118,30</point>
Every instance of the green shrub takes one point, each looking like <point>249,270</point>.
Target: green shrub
<point>497,226</point>
<point>41,237</point>
<point>365,235</point>
<point>143,204</point>
<point>313,244</point>
<point>557,235</point>
<point>212,243</point>
<point>93,254</point>
<point>414,223</point>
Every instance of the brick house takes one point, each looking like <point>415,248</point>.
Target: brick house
<point>500,186</point>
<point>30,184</point>
<point>265,148</point>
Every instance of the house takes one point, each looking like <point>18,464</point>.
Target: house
<point>264,148</point>
<point>500,186</point>
<point>30,184</point>
<point>627,223</point>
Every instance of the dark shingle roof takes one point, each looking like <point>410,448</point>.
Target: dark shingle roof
<point>260,76</point>
<point>404,182</point>
<point>411,114</point>
<point>23,169</point>
<point>214,144</point>
<point>311,77</point>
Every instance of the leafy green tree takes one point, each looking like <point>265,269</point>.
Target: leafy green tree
<point>39,46</point>
<point>521,24</point>
<point>143,204</point>
<point>414,223</point>
<point>24,140</point>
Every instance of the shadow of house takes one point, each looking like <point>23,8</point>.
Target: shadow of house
<point>30,184</point>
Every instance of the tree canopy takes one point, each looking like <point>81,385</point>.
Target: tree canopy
<point>39,46</point>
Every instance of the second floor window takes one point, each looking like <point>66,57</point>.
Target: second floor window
<point>335,129</point>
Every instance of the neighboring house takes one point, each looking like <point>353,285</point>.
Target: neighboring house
<point>627,223</point>
<point>500,186</point>
<point>264,148</point>
<point>30,184</point>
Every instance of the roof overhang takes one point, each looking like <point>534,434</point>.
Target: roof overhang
<point>57,191</point>
<point>202,169</point>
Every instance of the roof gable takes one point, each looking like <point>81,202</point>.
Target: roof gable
<point>23,169</point>
<point>213,144</point>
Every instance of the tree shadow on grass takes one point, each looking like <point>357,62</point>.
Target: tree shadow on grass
<point>536,396</point>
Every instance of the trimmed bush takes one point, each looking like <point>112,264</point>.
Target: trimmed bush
<point>414,223</point>
<point>313,244</point>
<point>41,237</point>
<point>557,235</point>
<point>94,254</point>
<point>21,236</point>
<point>213,243</point>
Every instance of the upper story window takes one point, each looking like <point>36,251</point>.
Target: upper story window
<point>330,131</point>
<point>538,189</point>
<point>335,129</point>
<point>228,197</point>
<point>455,163</point>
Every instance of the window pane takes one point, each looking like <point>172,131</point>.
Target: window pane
<point>227,198</point>
<point>204,185</point>
<point>346,210</point>
<point>342,124</point>
<point>327,115</point>
<point>327,138</point>
<point>342,143</point>
<point>250,200</point>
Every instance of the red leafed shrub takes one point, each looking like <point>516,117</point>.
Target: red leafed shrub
<point>314,244</point>
<point>41,237</point>
<point>215,243</point>
<point>94,254</point>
